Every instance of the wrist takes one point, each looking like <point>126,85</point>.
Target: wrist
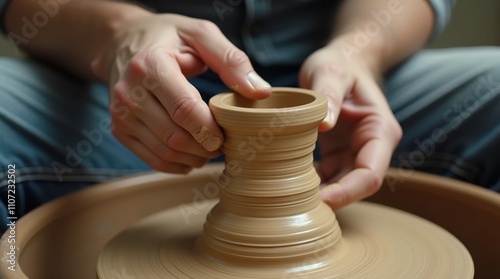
<point>74,34</point>
<point>115,23</point>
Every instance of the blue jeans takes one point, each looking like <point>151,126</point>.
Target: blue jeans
<point>55,129</point>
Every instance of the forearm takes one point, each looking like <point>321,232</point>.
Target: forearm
<point>71,33</point>
<point>382,32</point>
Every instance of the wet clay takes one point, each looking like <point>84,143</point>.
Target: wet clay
<point>270,223</point>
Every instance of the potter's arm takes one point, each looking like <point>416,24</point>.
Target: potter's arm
<point>70,34</point>
<point>404,26</point>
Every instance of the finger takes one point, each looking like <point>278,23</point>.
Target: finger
<point>134,132</point>
<point>335,84</point>
<point>334,166</point>
<point>158,121</point>
<point>168,132</point>
<point>164,152</point>
<point>189,62</point>
<point>370,167</point>
<point>147,156</point>
<point>180,99</point>
<point>355,186</point>
<point>133,126</point>
<point>232,64</point>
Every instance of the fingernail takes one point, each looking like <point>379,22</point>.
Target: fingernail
<point>257,82</point>
<point>209,141</point>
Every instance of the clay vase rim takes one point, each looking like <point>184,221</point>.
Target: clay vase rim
<point>294,106</point>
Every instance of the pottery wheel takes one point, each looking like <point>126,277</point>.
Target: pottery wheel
<point>377,242</point>
<point>270,223</point>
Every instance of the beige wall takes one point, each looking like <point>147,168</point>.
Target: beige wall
<point>6,48</point>
<point>475,22</point>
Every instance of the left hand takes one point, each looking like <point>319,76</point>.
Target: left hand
<point>360,133</point>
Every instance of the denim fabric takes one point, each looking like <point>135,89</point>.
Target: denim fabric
<point>448,103</point>
<point>55,129</point>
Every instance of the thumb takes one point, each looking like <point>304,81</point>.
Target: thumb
<point>230,63</point>
<point>335,87</point>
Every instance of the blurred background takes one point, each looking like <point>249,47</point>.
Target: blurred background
<point>474,23</point>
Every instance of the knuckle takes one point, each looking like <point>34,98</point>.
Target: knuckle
<point>164,152</point>
<point>200,163</point>
<point>176,140</point>
<point>395,130</point>
<point>137,97</point>
<point>182,109</point>
<point>342,199</point>
<point>235,57</point>
<point>398,134</point>
<point>334,98</point>
<point>158,61</point>
<point>137,66</point>
<point>375,181</point>
<point>148,65</point>
<point>338,201</point>
<point>203,27</point>
<point>333,69</point>
<point>169,155</point>
<point>159,165</point>
<point>120,93</point>
<point>117,117</point>
<point>124,100</point>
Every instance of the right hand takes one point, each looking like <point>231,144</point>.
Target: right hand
<point>155,111</point>
<point>359,135</point>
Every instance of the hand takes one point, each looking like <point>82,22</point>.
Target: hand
<point>359,134</point>
<point>155,111</point>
